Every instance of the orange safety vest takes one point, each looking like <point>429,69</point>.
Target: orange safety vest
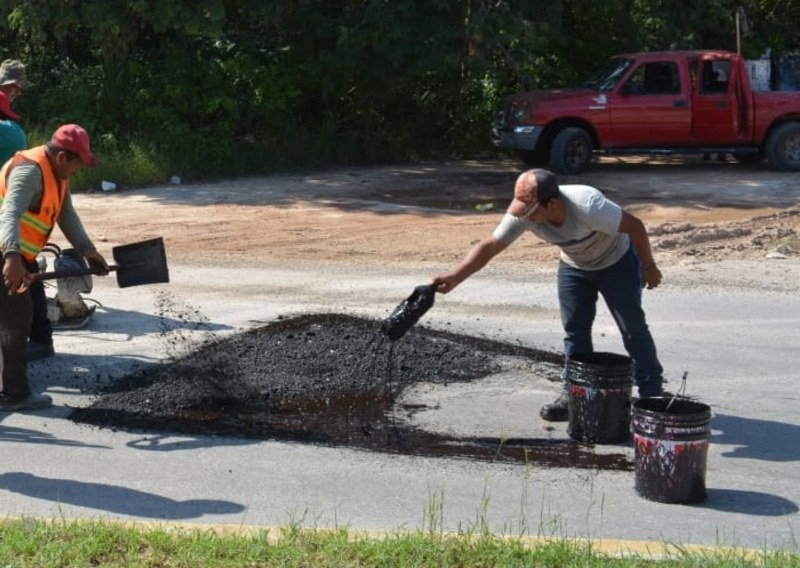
<point>35,226</point>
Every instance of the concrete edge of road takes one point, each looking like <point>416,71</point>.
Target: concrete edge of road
<point>650,550</point>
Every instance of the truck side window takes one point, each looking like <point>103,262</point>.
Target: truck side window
<point>715,76</point>
<point>659,78</point>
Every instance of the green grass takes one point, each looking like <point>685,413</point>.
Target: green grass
<point>34,543</point>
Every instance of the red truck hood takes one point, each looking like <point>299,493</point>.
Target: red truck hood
<point>554,96</point>
<point>538,107</point>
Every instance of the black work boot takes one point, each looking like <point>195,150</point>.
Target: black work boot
<point>557,411</point>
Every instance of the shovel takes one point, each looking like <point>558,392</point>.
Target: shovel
<point>137,263</point>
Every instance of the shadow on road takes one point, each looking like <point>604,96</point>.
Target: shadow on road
<point>120,500</point>
<point>28,436</point>
<point>170,443</point>
<point>757,439</point>
<point>749,502</point>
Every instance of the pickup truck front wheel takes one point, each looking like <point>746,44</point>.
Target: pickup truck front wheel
<point>783,147</point>
<point>571,152</point>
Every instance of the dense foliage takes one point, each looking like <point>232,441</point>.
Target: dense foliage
<point>228,87</point>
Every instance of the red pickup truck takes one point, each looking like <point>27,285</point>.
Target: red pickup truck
<point>670,102</point>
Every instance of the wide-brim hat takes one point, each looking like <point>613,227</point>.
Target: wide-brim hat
<point>12,72</point>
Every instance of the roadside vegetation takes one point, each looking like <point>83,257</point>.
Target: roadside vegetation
<point>30,543</point>
<point>225,88</point>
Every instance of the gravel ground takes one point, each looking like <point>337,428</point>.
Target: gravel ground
<point>333,379</point>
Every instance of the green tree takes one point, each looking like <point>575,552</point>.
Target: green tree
<point>228,87</point>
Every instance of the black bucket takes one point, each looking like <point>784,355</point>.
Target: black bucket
<point>670,440</point>
<point>408,312</point>
<point>600,386</point>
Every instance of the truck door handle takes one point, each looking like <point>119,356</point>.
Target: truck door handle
<point>679,104</point>
<point>722,104</point>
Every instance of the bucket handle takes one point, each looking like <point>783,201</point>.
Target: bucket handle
<point>681,392</point>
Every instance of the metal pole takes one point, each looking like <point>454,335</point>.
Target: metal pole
<point>738,35</point>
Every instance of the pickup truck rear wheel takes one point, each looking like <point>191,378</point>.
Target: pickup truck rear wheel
<point>783,147</point>
<point>571,152</point>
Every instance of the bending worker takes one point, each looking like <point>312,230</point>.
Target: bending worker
<point>604,250</point>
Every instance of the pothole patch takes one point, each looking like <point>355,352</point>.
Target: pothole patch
<point>329,379</point>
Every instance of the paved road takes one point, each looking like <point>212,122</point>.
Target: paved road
<point>732,327</point>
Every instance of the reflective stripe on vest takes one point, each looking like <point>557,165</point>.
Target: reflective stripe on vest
<point>35,226</point>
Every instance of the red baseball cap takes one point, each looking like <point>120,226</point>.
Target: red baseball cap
<point>5,107</point>
<point>75,139</point>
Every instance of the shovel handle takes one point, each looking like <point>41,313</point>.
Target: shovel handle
<point>70,273</point>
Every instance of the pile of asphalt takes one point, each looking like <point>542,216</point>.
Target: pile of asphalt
<point>319,378</point>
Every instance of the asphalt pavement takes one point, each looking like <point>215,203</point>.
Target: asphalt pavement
<point>732,328</point>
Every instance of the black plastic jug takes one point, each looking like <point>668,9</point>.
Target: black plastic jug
<point>408,312</point>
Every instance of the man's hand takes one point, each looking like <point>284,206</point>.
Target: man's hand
<point>444,283</point>
<point>96,260</point>
<point>651,276</point>
<point>15,277</point>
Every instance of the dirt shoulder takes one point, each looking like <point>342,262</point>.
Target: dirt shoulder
<point>428,214</point>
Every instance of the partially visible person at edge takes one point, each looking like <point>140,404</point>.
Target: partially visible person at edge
<point>12,136</point>
<point>34,197</point>
<point>13,80</point>
<point>603,249</point>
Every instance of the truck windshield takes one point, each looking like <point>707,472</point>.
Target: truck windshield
<point>606,78</point>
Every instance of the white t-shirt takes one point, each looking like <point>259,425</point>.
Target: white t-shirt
<point>588,238</point>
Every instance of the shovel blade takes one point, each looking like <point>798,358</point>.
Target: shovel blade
<point>141,263</point>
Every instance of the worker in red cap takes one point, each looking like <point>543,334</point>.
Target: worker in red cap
<point>13,139</point>
<point>34,197</point>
